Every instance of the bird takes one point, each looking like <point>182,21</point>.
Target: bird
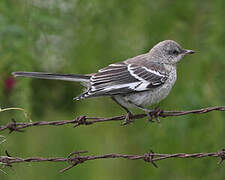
<point>137,82</point>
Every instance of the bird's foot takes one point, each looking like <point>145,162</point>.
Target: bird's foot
<point>128,119</point>
<point>154,114</point>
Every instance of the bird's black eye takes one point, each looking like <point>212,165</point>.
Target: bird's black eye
<point>174,52</point>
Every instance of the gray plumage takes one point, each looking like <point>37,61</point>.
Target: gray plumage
<point>136,82</point>
<point>54,76</point>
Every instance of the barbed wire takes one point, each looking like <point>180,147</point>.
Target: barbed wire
<point>85,120</point>
<point>76,158</point>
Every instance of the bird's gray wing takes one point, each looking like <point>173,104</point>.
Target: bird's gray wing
<point>122,78</point>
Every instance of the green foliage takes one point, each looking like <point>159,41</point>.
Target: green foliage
<point>67,36</point>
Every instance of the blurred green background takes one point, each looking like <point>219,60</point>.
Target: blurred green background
<point>78,36</point>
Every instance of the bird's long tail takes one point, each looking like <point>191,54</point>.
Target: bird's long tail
<point>63,77</point>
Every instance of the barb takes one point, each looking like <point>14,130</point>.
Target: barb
<point>75,158</point>
<point>84,120</point>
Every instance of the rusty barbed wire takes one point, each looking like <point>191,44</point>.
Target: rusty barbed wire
<point>75,158</point>
<point>84,120</point>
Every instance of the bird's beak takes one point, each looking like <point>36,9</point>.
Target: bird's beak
<point>187,51</point>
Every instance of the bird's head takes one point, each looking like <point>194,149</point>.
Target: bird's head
<point>169,51</point>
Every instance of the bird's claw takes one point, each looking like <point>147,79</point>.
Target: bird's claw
<point>154,114</point>
<point>128,119</point>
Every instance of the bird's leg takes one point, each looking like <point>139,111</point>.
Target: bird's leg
<point>128,118</point>
<point>149,112</point>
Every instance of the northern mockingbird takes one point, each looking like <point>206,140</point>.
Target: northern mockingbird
<point>136,82</point>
